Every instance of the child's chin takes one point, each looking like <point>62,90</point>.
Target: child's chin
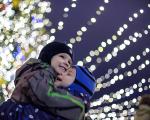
<point>57,83</point>
<point>60,72</point>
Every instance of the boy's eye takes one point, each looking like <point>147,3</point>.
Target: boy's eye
<point>62,56</point>
<point>70,73</point>
<point>69,62</point>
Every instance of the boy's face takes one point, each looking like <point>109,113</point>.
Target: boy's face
<point>66,79</point>
<point>61,62</point>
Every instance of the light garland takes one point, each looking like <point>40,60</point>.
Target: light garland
<point>120,77</point>
<point>118,48</point>
<point>108,42</point>
<point>123,65</point>
<point>83,29</point>
<point>66,13</point>
<point>127,108</point>
<point>122,93</point>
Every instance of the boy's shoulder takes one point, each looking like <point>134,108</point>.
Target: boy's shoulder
<point>32,62</point>
<point>33,65</point>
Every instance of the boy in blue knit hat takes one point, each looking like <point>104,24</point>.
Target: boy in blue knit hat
<point>84,82</point>
<point>79,82</point>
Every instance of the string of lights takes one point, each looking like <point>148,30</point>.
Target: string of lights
<point>122,109</point>
<point>126,108</point>
<point>114,38</point>
<point>120,47</point>
<point>123,65</point>
<point>143,84</point>
<point>121,76</point>
<point>84,28</point>
<point>66,13</point>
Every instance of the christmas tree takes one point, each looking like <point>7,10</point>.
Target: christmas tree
<point>22,35</point>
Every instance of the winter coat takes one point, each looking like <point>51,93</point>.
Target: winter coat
<point>35,85</point>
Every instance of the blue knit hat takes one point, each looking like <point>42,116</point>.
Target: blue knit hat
<point>84,83</point>
<point>52,49</point>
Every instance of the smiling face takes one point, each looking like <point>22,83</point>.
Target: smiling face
<point>61,62</point>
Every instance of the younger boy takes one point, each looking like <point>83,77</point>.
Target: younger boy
<point>79,82</point>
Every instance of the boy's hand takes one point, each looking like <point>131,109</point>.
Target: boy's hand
<point>67,78</point>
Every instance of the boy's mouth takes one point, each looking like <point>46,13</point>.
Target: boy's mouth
<point>63,68</point>
<point>58,79</point>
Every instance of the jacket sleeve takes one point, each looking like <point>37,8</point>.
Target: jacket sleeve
<point>51,97</point>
